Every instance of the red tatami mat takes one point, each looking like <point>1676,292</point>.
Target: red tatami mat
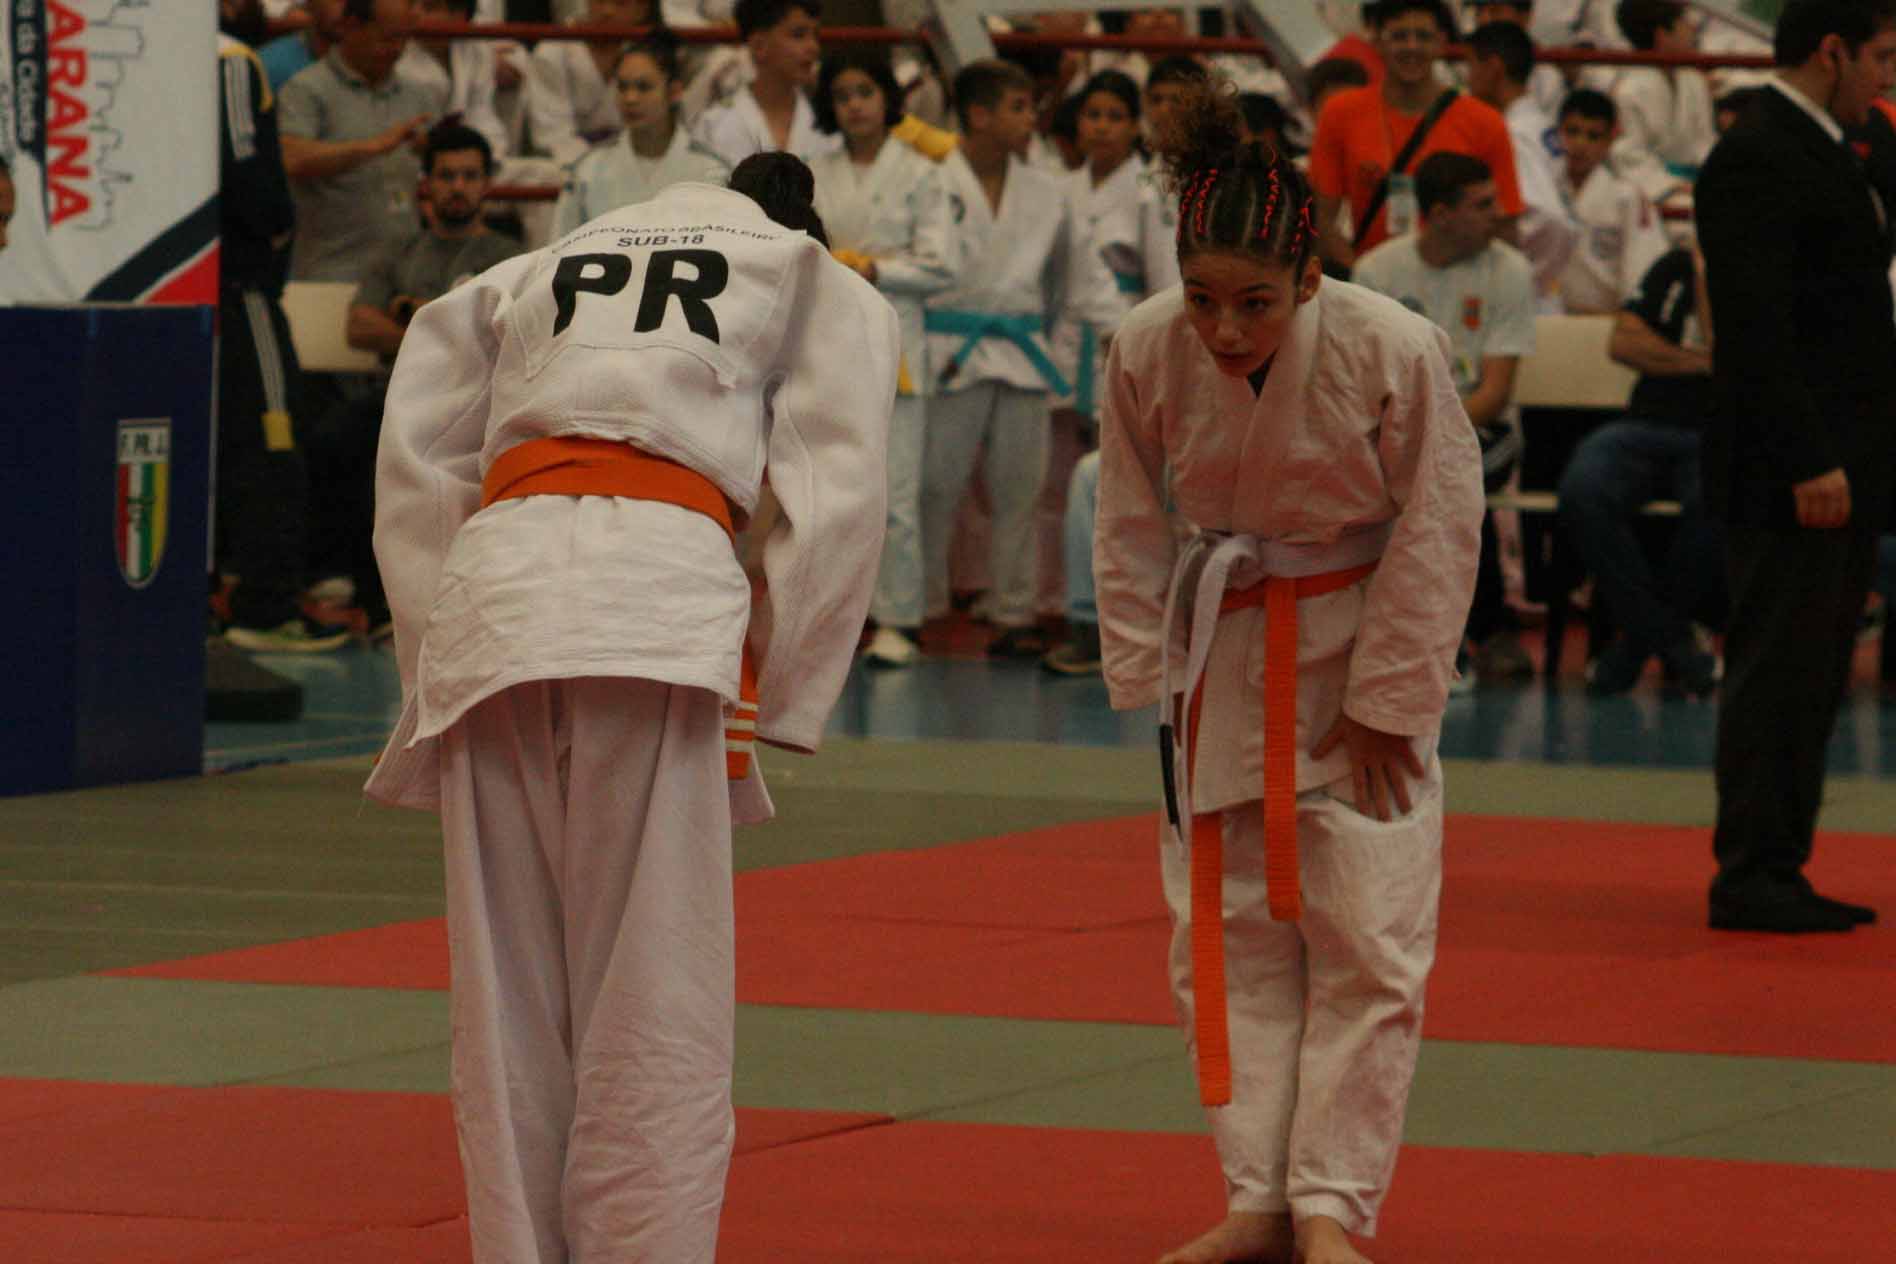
<point>979,1194</point>
<point>1553,932</point>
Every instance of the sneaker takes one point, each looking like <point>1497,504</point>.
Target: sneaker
<point>1616,670</point>
<point>1080,656</point>
<point>1024,642</point>
<point>337,590</point>
<point>1691,669</point>
<point>293,636</point>
<point>1500,659</point>
<point>890,647</point>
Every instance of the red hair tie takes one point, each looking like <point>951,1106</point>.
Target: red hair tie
<point>1204,200</point>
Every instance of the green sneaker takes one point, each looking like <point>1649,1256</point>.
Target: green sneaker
<point>296,636</point>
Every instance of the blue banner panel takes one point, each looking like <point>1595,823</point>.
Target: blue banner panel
<point>105,459</point>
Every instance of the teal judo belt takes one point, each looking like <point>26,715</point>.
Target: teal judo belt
<point>974,326</point>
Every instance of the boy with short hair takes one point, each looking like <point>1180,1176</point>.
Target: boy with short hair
<point>1500,63</point>
<point>1665,113</point>
<point>988,347</point>
<point>1621,235</point>
<point>773,111</point>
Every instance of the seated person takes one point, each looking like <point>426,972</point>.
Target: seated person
<point>455,246</point>
<point>1480,291</point>
<point>1651,454</point>
<point>1621,234</point>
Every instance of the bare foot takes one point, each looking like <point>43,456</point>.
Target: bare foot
<point>1243,1237</point>
<point>1321,1240</point>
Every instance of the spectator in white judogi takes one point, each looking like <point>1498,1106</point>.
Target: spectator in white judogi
<point>1621,234</point>
<point>773,111</point>
<point>1665,115</point>
<point>1500,62</point>
<point>571,105</point>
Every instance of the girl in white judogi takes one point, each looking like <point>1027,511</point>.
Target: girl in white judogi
<point>1289,511</point>
<point>652,153</point>
<point>1106,277</point>
<point>573,439</point>
<point>887,216</point>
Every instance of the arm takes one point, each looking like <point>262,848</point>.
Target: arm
<point>373,329</point>
<point>924,267</point>
<point>308,159</point>
<point>1133,545</point>
<point>1746,222</point>
<point>1158,241</point>
<point>427,469</point>
<point>1643,349</point>
<point>827,462</point>
<point>1329,178</point>
<point>1486,403</point>
<point>1634,154</point>
<point>1416,603</point>
<point>570,211</point>
<point>550,105</point>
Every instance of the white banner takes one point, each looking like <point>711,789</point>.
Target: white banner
<point>109,123</point>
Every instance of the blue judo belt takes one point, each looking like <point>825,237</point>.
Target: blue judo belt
<point>974,326</point>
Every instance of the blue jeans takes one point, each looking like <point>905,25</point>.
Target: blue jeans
<point>1615,471</point>
<point>1082,504</point>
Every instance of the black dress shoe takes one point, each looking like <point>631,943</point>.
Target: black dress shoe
<point>1789,915</point>
<point>1859,914</point>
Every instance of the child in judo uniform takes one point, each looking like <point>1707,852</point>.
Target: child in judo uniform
<point>1288,524</point>
<point>573,440</point>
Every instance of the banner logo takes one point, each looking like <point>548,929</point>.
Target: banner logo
<point>142,505</point>
<point>69,61</point>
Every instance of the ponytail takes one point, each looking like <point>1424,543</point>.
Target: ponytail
<point>1233,195</point>
<point>780,184</point>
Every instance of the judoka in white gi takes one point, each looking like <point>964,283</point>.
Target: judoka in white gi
<point>987,343</point>
<point>773,110</point>
<point>1105,279</point>
<point>575,699</point>
<point>1273,438</point>
<point>1621,233</point>
<point>886,212</point>
<point>653,152</point>
<point>571,101</point>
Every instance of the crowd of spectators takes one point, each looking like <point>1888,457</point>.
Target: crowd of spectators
<point>1481,189</point>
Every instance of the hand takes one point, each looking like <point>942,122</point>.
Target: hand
<point>1381,766</point>
<point>1823,501</point>
<point>412,131</point>
<point>401,308</point>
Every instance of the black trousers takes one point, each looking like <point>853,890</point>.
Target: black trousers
<point>342,446</point>
<point>262,482</point>
<point>1796,598</point>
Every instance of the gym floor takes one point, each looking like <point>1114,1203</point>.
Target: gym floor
<point>223,1020</point>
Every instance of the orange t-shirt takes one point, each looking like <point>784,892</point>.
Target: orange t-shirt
<point>1358,137</point>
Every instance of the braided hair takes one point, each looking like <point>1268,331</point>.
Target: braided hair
<point>1234,196</point>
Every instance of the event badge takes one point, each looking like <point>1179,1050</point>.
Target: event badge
<point>1402,205</point>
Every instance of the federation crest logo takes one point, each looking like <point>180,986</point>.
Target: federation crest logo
<point>141,509</point>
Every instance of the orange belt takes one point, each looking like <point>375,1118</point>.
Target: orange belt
<point>608,467</point>
<point>1279,598</point>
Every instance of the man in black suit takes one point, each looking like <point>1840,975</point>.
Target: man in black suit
<point>1798,455</point>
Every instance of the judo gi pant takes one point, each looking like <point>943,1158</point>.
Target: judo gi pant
<point>1325,1013</point>
<point>590,932</point>
<point>262,478</point>
<point>1012,423</point>
<point>898,597</point>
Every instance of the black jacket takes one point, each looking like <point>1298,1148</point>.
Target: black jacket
<point>1804,344</point>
